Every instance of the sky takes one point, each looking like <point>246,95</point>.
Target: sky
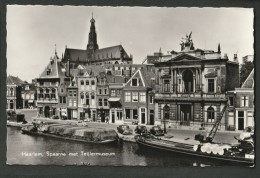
<point>33,31</point>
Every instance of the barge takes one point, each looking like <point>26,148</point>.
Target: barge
<point>73,133</point>
<point>240,154</point>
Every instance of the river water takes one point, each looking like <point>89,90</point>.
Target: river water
<point>36,150</point>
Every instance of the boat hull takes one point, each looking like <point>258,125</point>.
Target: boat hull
<point>190,152</point>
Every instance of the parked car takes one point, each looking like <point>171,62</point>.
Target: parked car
<point>157,131</point>
<point>124,129</point>
<point>140,129</point>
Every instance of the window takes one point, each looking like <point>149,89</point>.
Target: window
<point>134,82</point>
<point>74,103</point>
<point>230,101</point>
<point>119,92</point>
<point>81,82</point>
<point>127,96</point>
<point>113,92</point>
<point>87,99</point>
<point>70,102</point>
<point>27,87</point>
<point>100,91</point>
<point>92,96</point>
<point>142,97</point>
<point>75,93</point>
<point>135,97</point>
<point>211,85</point>
<point>244,101</point>
<point>82,98</point>
<point>92,82</point>
<point>127,113</point>
<point>151,99</point>
<point>166,86</point>
<point>100,102</point>
<point>41,83</point>
<point>70,93</point>
<point>87,82</point>
<point>64,99</point>
<point>11,92</point>
<point>105,91</point>
<point>105,102</point>
<point>60,99</point>
<point>53,93</point>
<point>135,114</point>
<point>211,114</point>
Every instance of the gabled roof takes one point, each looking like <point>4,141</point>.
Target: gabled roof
<point>12,80</point>
<point>249,82</point>
<point>55,70</point>
<point>145,75</point>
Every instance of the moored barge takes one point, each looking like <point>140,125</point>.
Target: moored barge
<point>232,154</point>
<point>73,133</point>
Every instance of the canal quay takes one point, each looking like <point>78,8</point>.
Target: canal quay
<point>38,150</point>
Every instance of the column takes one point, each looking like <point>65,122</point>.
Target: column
<point>172,81</point>
<point>176,81</point>
<point>194,83</point>
<point>192,113</point>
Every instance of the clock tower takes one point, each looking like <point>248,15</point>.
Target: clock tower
<point>92,39</point>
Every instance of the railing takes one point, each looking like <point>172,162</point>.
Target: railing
<point>47,100</point>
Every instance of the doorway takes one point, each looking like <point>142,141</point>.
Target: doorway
<point>240,120</point>
<point>11,104</point>
<point>151,117</point>
<point>113,117</point>
<point>47,111</point>
<point>143,115</point>
<point>185,114</point>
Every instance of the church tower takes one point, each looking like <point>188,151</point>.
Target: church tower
<point>92,39</point>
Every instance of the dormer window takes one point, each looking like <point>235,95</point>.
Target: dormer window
<point>134,82</point>
<point>27,87</point>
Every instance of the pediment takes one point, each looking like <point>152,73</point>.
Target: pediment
<point>184,58</point>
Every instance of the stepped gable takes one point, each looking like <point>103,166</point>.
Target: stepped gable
<point>13,80</point>
<point>249,83</point>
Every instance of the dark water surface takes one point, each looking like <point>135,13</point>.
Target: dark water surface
<point>32,150</point>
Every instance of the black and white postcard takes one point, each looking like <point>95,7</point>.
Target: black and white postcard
<point>130,86</point>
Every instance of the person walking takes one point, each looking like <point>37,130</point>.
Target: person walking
<point>107,119</point>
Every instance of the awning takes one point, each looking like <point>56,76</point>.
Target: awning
<point>30,101</point>
<point>113,99</point>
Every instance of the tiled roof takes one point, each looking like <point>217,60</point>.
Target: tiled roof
<point>110,52</point>
<point>103,53</point>
<point>54,68</point>
<point>13,80</point>
<point>76,54</point>
<point>249,83</point>
<point>147,76</point>
<point>115,79</point>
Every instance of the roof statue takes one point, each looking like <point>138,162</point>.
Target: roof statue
<point>187,42</point>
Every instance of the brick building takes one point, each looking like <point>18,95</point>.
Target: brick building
<point>28,93</point>
<point>13,93</point>
<point>240,111</point>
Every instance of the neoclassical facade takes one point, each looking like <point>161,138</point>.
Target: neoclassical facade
<point>191,85</point>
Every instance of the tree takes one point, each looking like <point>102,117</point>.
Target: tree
<point>245,70</point>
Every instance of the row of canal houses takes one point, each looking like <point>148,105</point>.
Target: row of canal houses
<point>97,92</point>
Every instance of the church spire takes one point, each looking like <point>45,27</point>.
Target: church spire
<point>92,37</point>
